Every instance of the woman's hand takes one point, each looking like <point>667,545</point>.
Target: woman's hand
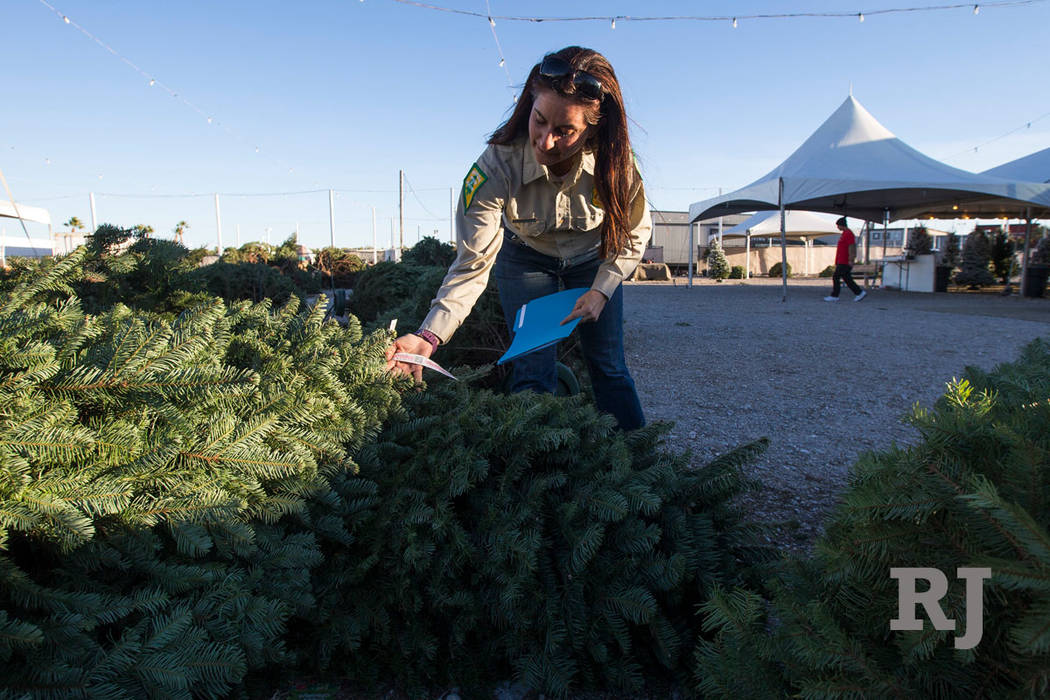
<point>588,307</point>
<point>410,343</point>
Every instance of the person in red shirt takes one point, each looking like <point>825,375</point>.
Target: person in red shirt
<point>845,254</point>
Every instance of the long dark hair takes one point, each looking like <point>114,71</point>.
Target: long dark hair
<point>614,162</point>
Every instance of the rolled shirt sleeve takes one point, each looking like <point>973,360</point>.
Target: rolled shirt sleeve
<point>614,271</point>
<point>479,225</point>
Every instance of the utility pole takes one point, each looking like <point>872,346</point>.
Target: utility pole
<point>375,241</point>
<point>91,200</point>
<point>401,205</point>
<point>218,225</point>
<point>451,214</point>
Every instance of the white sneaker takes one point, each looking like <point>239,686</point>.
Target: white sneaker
<point>863,293</point>
<point>831,298</point>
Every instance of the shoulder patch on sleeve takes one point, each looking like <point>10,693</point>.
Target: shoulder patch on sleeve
<point>475,178</point>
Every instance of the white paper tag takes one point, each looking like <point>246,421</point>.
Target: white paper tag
<point>414,359</point>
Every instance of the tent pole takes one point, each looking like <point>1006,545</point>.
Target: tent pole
<point>747,254</point>
<point>783,241</point>
<point>692,251</point>
<point>1024,256</point>
<point>885,223</point>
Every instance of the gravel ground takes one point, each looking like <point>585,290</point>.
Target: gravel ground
<point>732,362</point>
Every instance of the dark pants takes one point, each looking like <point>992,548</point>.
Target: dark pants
<point>843,273</point>
<point>522,274</point>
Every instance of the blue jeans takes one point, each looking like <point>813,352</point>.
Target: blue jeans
<point>522,274</point>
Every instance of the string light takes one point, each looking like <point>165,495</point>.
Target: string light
<point>153,82</point>
<point>1026,125</point>
<point>977,9</point>
<point>734,23</point>
<point>714,18</point>
<point>613,23</point>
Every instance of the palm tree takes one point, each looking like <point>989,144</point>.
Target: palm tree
<point>74,223</point>
<point>180,228</point>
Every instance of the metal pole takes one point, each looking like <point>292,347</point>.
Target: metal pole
<point>218,225</point>
<point>331,218</point>
<point>331,242</point>
<point>91,201</point>
<point>720,242</point>
<point>747,254</point>
<point>1024,255</point>
<point>401,205</point>
<point>783,240</point>
<point>375,241</point>
<point>692,252</point>
<point>451,215</point>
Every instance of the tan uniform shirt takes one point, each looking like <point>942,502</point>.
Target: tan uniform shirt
<point>508,189</point>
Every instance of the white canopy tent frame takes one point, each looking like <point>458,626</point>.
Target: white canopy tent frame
<point>853,166</point>
<point>802,225</point>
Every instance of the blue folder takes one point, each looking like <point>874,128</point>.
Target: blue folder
<point>536,325</point>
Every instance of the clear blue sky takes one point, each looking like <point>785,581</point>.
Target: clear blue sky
<point>342,94</point>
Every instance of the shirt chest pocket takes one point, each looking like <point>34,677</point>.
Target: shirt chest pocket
<point>528,223</point>
<point>587,218</point>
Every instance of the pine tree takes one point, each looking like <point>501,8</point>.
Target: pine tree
<point>973,493</point>
<point>919,241</point>
<point>164,485</point>
<point>950,254</point>
<point>717,263</point>
<point>976,254</point>
<point>522,536</point>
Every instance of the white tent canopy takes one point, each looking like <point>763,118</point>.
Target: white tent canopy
<point>26,213</point>
<point>1034,167</point>
<point>798,224</point>
<point>852,165</point>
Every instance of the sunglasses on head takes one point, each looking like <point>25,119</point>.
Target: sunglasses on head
<point>553,68</point>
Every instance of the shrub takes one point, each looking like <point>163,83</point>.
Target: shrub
<point>736,272</point>
<point>828,271</point>
<point>972,493</point>
<point>776,270</point>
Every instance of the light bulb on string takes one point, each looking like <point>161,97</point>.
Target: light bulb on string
<point>152,82</point>
<point>860,16</point>
<point>492,22</point>
<point>613,23</point>
<point>65,19</point>
<point>977,9</point>
<point>501,62</point>
<point>734,23</point>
